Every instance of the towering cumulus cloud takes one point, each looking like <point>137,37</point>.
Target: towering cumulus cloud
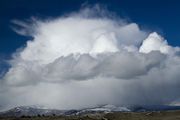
<point>85,59</point>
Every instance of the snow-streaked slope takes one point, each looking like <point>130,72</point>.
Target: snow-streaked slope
<point>30,111</point>
<point>34,111</point>
<point>109,108</point>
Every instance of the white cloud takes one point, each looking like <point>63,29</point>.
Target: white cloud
<point>155,42</point>
<point>80,61</point>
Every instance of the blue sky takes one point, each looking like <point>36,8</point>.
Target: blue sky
<point>154,15</point>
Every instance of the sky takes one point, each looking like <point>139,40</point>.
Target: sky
<point>153,14</point>
<point>88,53</point>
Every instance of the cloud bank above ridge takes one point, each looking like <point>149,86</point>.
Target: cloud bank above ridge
<point>85,59</point>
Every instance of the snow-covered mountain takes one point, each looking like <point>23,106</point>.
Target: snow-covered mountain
<point>103,109</point>
<point>34,111</point>
<point>30,111</point>
<point>108,108</point>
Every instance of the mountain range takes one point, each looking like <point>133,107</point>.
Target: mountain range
<point>35,111</point>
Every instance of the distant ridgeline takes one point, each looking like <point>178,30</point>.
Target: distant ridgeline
<point>35,111</point>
